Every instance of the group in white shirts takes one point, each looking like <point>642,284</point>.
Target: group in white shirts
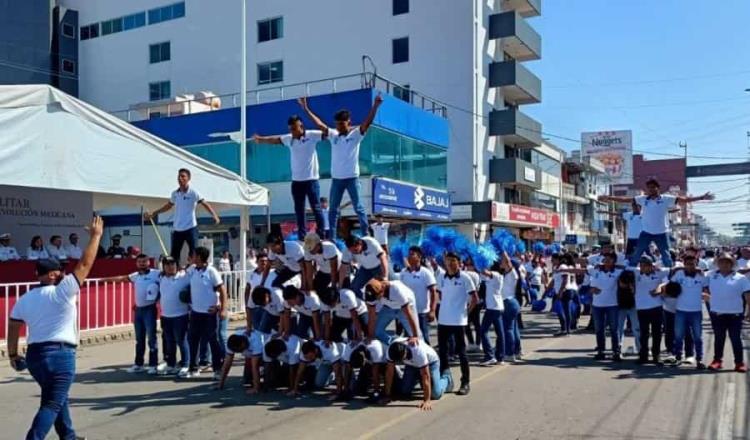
<point>38,251</point>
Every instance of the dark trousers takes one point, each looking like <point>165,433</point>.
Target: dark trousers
<point>179,238</point>
<point>445,333</point>
<point>566,317</point>
<point>476,323</point>
<point>174,332</point>
<point>282,276</point>
<point>669,336</point>
<point>321,281</point>
<point>310,190</point>
<point>145,326</point>
<point>53,367</point>
<point>205,326</point>
<point>732,324</point>
<point>302,326</point>
<point>651,322</point>
<point>340,325</point>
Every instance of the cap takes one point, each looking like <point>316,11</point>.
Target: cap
<point>726,256</point>
<point>5,236</point>
<point>47,265</point>
<point>311,241</point>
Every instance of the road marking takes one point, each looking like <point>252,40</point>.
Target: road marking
<point>726,416</point>
<point>407,414</point>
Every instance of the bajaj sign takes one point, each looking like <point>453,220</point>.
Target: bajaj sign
<point>614,149</point>
<point>392,197</point>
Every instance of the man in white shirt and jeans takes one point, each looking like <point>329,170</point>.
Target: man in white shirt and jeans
<point>302,146</point>
<point>345,142</point>
<point>49,311</point>
<point>655,209</point>
<point>184,224</point>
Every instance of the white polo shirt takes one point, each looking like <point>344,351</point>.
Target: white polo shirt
<point>510,280</point>
<point>380,232</point>
<point>291,355</point>
<point>419,281</point>
<point>375,350</point>
<point>454,291</point>
<point>422,355</point>
<point>655,212</point>
<point>323,259</point>
<point>203,284</point>
<point>348,301</point>
<point>293,255</point>
<point>304,155</point>
<point>634,224</point>
<point>184,208</point>
<point>345,153</point>
<point>647,283</point>
<point>255,343</point>
<point>727,291</point>
<point>369,258</point>
<point>330,353</point>
<point>311,305</point>
<point>169,300</point>
<point>8,253</point>
<point>563,281</point>
<point>536,276</point>
<point>254,281</point>
<point>493,284</point>
<point>691,297</point>
<point>49,312</point>
<point>74,252</point>
<point>606,282</point>
<point>141,283</point>
<point>276,305</point>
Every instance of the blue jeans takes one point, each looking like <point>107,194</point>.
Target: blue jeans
<point>257,314</point>
<point>310,190</point>
<point>493,318</point>
<point>644,241</point>
<point>385,316</point>
<point>510,325</point>
<point>352,186</point>
<point>424,326</point>
<point>145,325</point>
<point>361,279</point>
<point>633,315</point>
<point>302,326</point>
<point>439,382</point>
<point>174,331</point>
<point>688,322</point>
<point>179,238</point>
<point>269,323</point>
<point>732,324</point>
<point>323,375</point>
<point>205,326</point>
<point>603,317</point>
<point>53,366</point>
<point>566,317</point>
<point>689,346</point>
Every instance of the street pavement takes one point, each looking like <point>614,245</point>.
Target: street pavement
<point>558,391</point>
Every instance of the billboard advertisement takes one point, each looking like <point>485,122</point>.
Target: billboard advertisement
<point>614,149</point>
<point>390,197</point>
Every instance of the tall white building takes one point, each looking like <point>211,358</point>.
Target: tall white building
<point>469,54</point>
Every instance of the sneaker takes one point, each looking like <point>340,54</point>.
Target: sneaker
<point>715,365</point>
<point>152,371</point>
<point>204,367</point>
<point>673,362</point>
<point>669,359</point>
<point>135,369</point>
<point>559,334</point>
<point>520,356</point>
<point>700,365</point>
<point>616,357</point>
<point>162,367</point>
<point>183,373</point>
<point>217,376</point>
<point>488,362</point>
<point>448,375</point>
<point>690,360</point>
<point>194,373</point>
<point>658,362</point>
<point>740,368</point>
<point>473,348</point>
<point>630,350</point>
<point>464,390</point>
<point>600,356</point>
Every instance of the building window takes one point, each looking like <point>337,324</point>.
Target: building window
<point>135,21</point>
<point>270,72</point>
<point>69,66</point>
<point>270,29</point>
<point>112,26</point>
<point>166,13</point>
<point>400,50</point>
<point>400,7</point>
<point>159,90</point>
<point>90,31</point>
<point>402,92</point>
<point>68,30</point>
<point>160,52</point>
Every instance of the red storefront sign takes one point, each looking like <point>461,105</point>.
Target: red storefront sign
<point>533,216</point>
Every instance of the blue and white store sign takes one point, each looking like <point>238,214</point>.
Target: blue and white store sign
<point>391,197</point>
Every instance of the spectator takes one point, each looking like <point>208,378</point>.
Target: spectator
<point>116,251</point>
<point>7,252</point>
<point>225,262</point>
<point>36,249</point>
<point>56,249</point>
<point>72,249</point>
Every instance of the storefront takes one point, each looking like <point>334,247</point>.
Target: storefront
<point>530,224</point>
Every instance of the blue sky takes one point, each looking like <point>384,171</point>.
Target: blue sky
<point>670,70</point>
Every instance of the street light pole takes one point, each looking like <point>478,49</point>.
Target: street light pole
<point>244,211</point>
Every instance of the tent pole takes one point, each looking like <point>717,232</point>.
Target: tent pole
<point>142,249</point>
<point>268,214</point>
<point>245,211</point>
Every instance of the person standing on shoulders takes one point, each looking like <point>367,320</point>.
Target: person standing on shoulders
<point>371,259</point>
<point>49,312</point>
<point>184,224</point>
<point>345,142</point>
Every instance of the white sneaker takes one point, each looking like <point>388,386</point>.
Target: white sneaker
<point>152,371</point>
<point>135,369</point>
<point>488,362</point>
<point>162,367</point>
<point>630,350</point>
<point>690,360</point>
<point>183,373</point>
<point>195,373</point>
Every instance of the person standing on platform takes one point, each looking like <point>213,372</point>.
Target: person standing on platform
<point>184,224</point>
<point>345,142</point>
<point>49,312</point>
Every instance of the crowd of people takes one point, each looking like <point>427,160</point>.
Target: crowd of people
<point>55,249</point>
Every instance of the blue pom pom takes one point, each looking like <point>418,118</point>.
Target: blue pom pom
<point>483,255</point>
<point>538,247</point>
<point>340,244</point>
<point>398,252</point>
<point>292,237</point>
<point>521,246</point>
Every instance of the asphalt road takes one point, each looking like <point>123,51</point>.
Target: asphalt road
<point>558,391</point>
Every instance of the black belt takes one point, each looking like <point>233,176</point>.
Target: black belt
<point>52,344</point>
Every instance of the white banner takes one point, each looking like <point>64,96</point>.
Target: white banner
<point>614,149</point>
<point>26,212</point>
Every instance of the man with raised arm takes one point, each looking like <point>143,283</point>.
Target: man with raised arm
<point>345,142</point>
<point>49,311</point>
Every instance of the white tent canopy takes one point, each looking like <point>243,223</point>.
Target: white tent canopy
<point>49,139</point>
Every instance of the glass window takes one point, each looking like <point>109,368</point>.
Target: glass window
<point>154,16</point>
<point>167,13</point>
<point>159,52</point>
<point>270,72</point>
<point>117,25</point>
<point>94,30</point>
<point>106,27</point>
<point>85,33</point>
<point>270,29</point>
<point>400,7</point>
<point>129,22</point>
<point>402,92</point>
<point>178,10</point>
<point>545,163</point>
<point>400,50</point>
<point>69,66</point>
<point>69,30</point>
<point>159,90</point>
<point>140,19</point>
